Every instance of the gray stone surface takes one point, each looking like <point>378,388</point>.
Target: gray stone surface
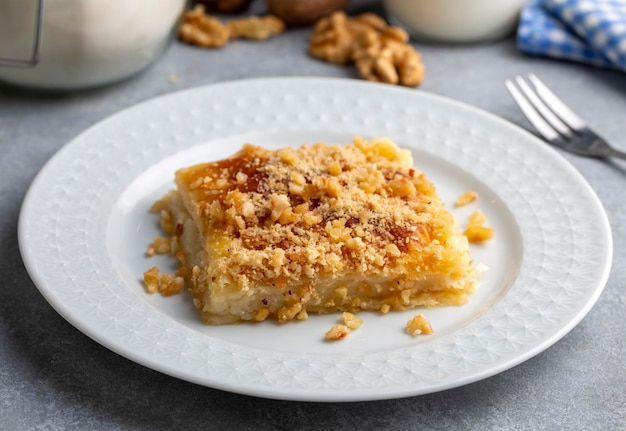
<point>52,377</point>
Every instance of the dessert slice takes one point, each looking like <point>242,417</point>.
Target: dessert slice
<point>317,229</point>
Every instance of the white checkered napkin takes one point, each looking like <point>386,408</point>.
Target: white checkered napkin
<point>540,33</point>
<point>600,23</point>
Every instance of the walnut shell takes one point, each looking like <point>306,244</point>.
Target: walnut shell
<point>225,6</point>
<point>304,12</point>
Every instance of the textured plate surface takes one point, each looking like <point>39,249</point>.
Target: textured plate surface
<point>85,226</point>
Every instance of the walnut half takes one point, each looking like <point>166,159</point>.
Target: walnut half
<point>206,31</point>
<point>380,52</point>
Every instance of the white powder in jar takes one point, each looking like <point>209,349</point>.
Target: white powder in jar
<point>85,42</point>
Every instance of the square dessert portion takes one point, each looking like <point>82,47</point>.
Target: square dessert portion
<point>318,229</point>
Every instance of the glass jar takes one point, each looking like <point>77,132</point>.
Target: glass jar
<point>70,44</point>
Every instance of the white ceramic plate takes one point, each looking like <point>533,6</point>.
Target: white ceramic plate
<point>85,225</point>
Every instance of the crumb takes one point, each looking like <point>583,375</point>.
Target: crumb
<point>476,231</point>
<point>165,284</point>
<point>477,218</point>
<point>466,198</point>
<point>350,320</point>
<point>171,285</point>
<point>340,331</point>
<point>151,279</point>
<point>418,325</point>
<point>337,332</point>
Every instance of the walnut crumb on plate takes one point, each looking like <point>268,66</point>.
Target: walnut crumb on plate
<point>418,325</point>
<point>466,198</point>
<point>337,332</point>
<point>340,331</point>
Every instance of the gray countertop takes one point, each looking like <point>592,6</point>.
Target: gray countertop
<point>54,377</point>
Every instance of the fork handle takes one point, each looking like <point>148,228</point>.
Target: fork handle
<point>592,144</point>
<point>612,152</point>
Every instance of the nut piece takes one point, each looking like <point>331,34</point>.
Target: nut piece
<point>151,279</point>
<point>256,28</point>
<point>380,52</point>
<point>331,40</point>
<point>262,314</point>
<point>341,331</point>
<point>418,325</point>
<point>206,31</point>
<point>289,313</point>
<point>409,64</point>
<point>351,321</point>
<point>476,231</point>
<point>337,332</point>
<point>165,284</point>
<point>379,68</point>
<point>476,234</point>
<point>466,198</point>
<point>202,30</point>
<point>171,285</point>
<point>477,218</point>
<point>161,245</point>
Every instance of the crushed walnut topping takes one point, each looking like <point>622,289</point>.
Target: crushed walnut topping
<point>318,209</point>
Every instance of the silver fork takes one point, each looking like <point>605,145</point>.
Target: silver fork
<point>556,122</point>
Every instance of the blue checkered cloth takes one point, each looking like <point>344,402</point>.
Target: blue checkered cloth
<point>588,31</point>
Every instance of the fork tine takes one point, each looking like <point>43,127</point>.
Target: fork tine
<point>533,116</point>
<point>557,105</point>
<point>584,142</point>
<point>545,112</point>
